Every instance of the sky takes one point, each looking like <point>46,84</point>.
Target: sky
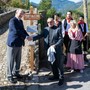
<point>37,1</point>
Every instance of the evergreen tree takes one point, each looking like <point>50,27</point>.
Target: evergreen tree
<point>45,5</point>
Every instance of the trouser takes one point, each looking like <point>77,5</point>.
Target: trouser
<point>85,48</point>
<point>13,60</point>
<point>85,44</point>
<point>66,44</point>
<point>57,67</point>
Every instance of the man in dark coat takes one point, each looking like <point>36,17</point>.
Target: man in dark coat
<point>15,41</point>
<point>53,37</point>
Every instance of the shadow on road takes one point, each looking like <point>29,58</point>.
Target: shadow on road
<point>73,81</point>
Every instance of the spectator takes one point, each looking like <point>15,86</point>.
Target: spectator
<point>57,21</point>
<point>65,27</point>
<point>15,40</point>
<point>75,58</point>
<point>53,38</point>
<point>84,29</point>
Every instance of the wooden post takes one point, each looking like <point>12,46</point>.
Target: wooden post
<point>42,52</point>
<point>31,16</point>
<point>31,12</point>
<point>85,10</point>
<point>31,57</point>
<point>31,47</point>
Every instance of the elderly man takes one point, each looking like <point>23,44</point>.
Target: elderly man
<point>15,41</point>
<point>53,37</point>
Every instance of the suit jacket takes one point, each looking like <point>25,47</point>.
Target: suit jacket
<point>17,33</point>
<point>56,38</point>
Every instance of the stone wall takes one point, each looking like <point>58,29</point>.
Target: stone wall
<point>4,17</point>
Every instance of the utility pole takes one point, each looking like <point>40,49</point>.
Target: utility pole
<point>85,11</point>
<point>85,15</point>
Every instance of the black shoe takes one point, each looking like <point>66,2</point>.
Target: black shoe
<point>18,76</point>
<point>61,81</point>
<point>12,80</point>
<point>86,60</point>
<point>53,78</point>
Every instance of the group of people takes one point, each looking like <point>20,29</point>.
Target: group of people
<point>58,33</point>
<point>75,34</point>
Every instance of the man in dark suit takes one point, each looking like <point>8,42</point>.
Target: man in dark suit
<point>15,41</point>
<point>53,37</point>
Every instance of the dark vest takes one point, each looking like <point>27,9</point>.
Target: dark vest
<point>60,24</point>
<point>65,24</point>
<point>81,28</point>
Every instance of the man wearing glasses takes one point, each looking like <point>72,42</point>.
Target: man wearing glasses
<point>53,38</point>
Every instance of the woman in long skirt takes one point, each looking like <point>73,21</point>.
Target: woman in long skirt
<point>75,59</point>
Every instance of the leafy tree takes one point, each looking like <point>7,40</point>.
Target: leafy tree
<point>3,5</point>
<point>76,14</point>
<point>4,1</point>
<point>60,14</point>
<point>63,17</point>
<point>51,12</point>
<point>19,4</point>
<point>45,5</point>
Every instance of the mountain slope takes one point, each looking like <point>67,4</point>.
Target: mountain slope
<point>65,5</point>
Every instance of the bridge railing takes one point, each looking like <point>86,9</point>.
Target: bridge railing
<point>4,17</point>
